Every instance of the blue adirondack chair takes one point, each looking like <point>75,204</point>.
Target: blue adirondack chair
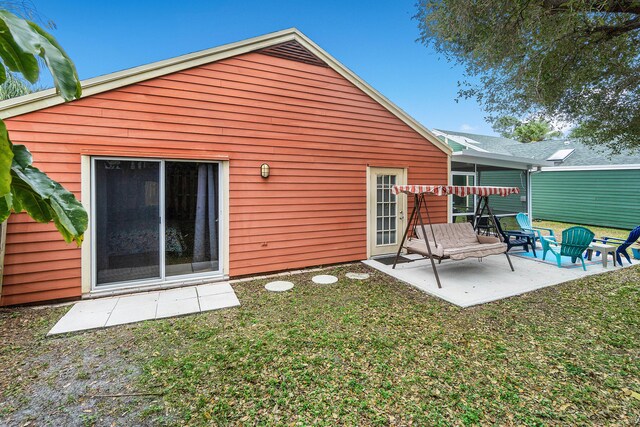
<point>575,241</point>
<point>525,225</point>
<point>624,244</point>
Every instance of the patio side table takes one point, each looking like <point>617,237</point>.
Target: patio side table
<point>605,250</point>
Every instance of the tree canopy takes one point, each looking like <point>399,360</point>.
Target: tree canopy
<point>525,131</point>
<point>24,187</point>
<point>574,60</point>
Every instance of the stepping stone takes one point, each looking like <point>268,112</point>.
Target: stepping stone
<point>278,286</point>
<point>324,279</point>
<point>357,276</point>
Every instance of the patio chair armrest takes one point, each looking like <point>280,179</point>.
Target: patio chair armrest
<point>515,233</point>
<point>551,242</point>
<point>550,230</point>
<point>529,231</point>
<point>607,239</point>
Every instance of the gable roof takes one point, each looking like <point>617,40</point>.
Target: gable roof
<point>583,156</point>
<point>272,43</point>
<point>293,51</point>
<point>492,144</point>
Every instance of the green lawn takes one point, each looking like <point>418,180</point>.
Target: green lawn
<point>600,231</point>
<point>354,353</point>
<point>557,227</point>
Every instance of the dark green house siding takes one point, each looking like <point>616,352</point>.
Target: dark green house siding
<point>506,178</point>
<point>608,198</point>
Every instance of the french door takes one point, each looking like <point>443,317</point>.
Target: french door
<point>386,210</point>
<point>154,221</point>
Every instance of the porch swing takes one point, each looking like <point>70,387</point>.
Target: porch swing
<point>454,241</point>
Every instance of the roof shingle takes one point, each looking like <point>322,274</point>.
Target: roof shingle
<point>582,156</point>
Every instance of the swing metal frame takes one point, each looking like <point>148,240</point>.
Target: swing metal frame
<point>416,220</point>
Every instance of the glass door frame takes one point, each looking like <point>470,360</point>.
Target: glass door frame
<point>163,279</point>
<point>373,249</point>
<point>475,198</point>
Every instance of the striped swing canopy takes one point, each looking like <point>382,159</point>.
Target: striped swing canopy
<point>457,190</point>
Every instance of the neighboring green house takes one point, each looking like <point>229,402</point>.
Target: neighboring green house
<point>578,184</point>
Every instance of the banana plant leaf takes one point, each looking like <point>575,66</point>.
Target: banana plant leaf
<point>42,198</point>
<point>6,158</point>
<point>22,42</point>
<point>24,187</point>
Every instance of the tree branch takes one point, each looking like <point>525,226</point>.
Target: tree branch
<point>608,6</point>
<point>611,31</point>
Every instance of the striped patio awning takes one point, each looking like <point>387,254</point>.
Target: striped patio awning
<point>458,190</point>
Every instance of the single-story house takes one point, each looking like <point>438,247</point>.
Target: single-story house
<point>257,156</point>
<point>575,183</point>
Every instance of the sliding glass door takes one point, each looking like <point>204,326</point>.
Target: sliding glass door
<point>191,206</point>
<point>127,228</point>
<point>154,220</point>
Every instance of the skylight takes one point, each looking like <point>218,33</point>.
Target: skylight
<point>560,155</point>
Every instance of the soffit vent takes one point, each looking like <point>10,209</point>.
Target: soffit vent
<point>293,51</point>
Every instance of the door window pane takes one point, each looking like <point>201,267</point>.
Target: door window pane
<point>191,220</point>
<point>127,199</point>
<point>386,210</point>
<point>463,205</point>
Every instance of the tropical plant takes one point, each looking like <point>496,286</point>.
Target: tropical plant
<point>575,60</point>
<point>506,126</point>
<point>525,131</point>
<point>24,187</point>
<point>14,87</point>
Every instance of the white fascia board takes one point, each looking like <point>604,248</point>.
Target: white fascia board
<point>498,160</point>
<point>590,168</point>
<point>48,98</point>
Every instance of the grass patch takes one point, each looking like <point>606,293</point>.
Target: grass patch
<point>510,223</point>
<point>557,227</point>
<point>380,353</point>
<point>355,353</point>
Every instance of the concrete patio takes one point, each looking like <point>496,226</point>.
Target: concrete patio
<point>471,282</point>
<point>104,312</point>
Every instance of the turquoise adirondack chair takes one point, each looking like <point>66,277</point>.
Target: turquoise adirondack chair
<point>525,225</point>
<point>575,241</point>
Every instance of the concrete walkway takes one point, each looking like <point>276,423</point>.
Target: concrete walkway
<point>471,282</point>
<point>104,312</point>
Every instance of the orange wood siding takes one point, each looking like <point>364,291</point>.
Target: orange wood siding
<point>317,131</point>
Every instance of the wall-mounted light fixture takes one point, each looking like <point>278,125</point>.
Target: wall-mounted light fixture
<point>264,170</point>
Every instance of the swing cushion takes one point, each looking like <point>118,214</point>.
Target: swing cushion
<point>455,241</point>
<point>418,246</point>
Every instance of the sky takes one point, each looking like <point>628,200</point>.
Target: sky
<point>374,39</point>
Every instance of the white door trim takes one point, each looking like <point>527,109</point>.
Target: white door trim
<point>88,254</point>
<point>371,194</point>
